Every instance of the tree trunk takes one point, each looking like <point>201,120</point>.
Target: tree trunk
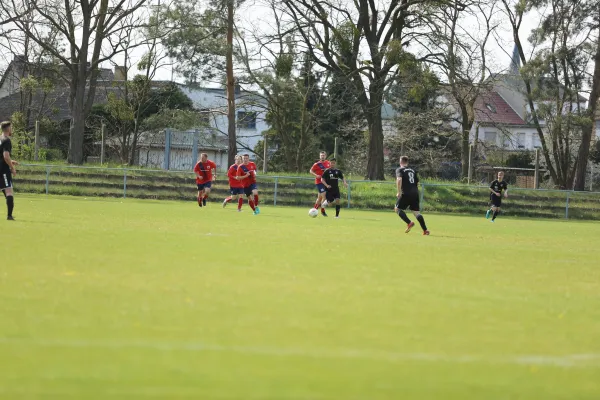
<point>586,134</point>
<point>231,133</point>
<point>466,126</point>
<point>77,119</point>
<point>375,170</point>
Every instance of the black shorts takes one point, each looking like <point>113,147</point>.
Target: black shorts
<point>495,200</point>
<point>332,194</point>
<point>5,180</point>
<point>410,201</point>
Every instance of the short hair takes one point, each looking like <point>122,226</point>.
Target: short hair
<point>203,154</point>
<point>5,125</point>
<point>332,159</point>
<point>323,152</point>
<point>246,155</point>
<point>404,160</point>
<point>501,172</point>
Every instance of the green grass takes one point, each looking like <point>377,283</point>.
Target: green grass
<point>157,299</point>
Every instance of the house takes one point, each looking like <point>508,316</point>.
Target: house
<point>10,82</point>
<point>251,109</point>
<point>497,124</point>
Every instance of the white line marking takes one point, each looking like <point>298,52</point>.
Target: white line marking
<point>566,360</point>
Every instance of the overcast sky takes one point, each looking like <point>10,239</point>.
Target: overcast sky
<point>253,12</point>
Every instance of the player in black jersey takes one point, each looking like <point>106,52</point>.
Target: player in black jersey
<point>330,180</point>
<point>407,183</point>
<point>7,167</point>
<point>497,189</point>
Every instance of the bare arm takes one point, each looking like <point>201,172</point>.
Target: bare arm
<point>214,174</point>
<point>399,187</point>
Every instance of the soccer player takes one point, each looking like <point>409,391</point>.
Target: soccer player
<point>330,179</point>
<point>7,168</point>
<point>254,187</point>
<point>236,187</point>
<point>497,188</point>
<point>408,195</point>
<point>317,170</point>
<point>247,175</point>
<point>206,173</point>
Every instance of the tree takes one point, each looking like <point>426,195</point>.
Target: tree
<point>90,29</point>
<point>362,40</point>
<point>461,54</point>
<point>423,130</point>
<point>593,106</point>
<point>201,40</point>
<point>553,81</point>
<point>141,108</point>
<point>291,89</point>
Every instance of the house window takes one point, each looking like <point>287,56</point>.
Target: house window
<point>521,140</point>
<point>536,141</point>
<point>246,119</point>
<point>490,138</point>
<point>506,141</point>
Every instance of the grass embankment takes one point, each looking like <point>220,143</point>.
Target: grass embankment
<point>299,191</point>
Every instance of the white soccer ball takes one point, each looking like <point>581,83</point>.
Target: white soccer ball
<point>313,213</point>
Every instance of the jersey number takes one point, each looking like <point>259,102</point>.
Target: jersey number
<point>411,177</point>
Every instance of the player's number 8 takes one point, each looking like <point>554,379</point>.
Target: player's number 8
<point>411,177</point>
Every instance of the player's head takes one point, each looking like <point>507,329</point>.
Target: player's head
<point>323,156</point>
<point>203,157</point>
<point>6,127</point>
<point>246,158</point>
<point>500,175</point>
<point>332,162</point>
<point>238,159</point>
<point>403,161</point>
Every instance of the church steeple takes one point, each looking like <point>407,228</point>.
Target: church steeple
<point>515,61</point>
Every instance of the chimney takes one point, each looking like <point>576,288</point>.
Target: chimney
<point>120,73</point>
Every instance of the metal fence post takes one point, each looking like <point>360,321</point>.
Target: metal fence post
<point>567,206</point>
<point>124,182</point>
<point>167,161</point>
<point>275,192</point>
<point>349,192</point>
<point>47,178</point>
<point>422,194</point>
<point>195,139</point>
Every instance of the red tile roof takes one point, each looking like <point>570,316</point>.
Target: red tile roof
<point>490,108</point>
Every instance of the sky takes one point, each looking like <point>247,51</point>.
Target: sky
<point>501,47</point>
<point>253,12</point>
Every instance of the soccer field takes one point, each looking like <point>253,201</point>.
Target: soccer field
<point>145,299</point>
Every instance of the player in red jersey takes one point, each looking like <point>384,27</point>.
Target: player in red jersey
<point>247,173</point>
<point>317,170</point>
<point>236,186</point>
<point>253,185</point>
<point>206,173</point>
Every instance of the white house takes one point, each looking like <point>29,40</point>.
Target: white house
<point>250,113</point>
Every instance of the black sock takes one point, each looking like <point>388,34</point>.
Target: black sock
<point>422,222</point>
<point>10,204</point>
<point>495,214</point>
<point>402,215</point>
<point>337,210</point>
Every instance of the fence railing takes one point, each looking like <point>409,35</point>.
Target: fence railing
<point>299,191</point>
